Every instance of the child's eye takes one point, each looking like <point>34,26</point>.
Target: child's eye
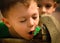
<point>23,20</point>
<point>39,5</point>
<point>34,17</point>
<point>48,6</point>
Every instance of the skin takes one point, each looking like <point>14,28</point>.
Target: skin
<point>47,6</point>
<point>21,20</point>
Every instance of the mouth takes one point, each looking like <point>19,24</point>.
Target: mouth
<point>31,32</point>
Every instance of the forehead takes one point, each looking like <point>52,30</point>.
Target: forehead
<point>20,9</point>
<point>45,1</point>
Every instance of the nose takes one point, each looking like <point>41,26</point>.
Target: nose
<point>44,10</point>
<point>30,22</point>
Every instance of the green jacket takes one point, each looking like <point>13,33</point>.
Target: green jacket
<point>4,33</point>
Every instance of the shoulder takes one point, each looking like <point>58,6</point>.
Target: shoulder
<point>4,32</point>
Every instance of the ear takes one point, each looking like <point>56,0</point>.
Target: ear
<point>6,22</point>
<point>55,5</point>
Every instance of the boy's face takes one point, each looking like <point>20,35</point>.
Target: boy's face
<point>23,20</point>
<point>46,6</point>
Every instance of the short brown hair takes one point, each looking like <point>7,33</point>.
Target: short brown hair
<point>5,5</point>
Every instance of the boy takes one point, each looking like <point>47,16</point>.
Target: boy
<point>20,18</point>
<point>47,6</point>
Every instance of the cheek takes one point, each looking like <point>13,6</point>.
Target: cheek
<point>18,27</point>
<point>37,21</point>
<point>51,10</point>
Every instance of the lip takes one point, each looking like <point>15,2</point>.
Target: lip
<point>31,36</point>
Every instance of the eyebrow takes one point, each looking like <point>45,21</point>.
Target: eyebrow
<point>22,17</point>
